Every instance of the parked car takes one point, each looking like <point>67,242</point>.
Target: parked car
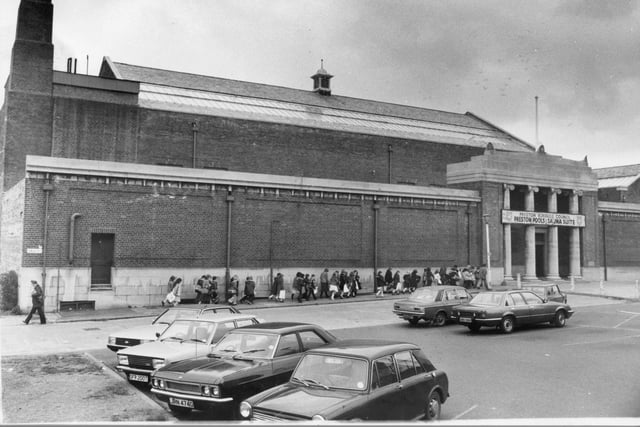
<point>244,362</point>
<point>509,309</point>
<point>183,339</point>
<point>548,291</point>
<point>355,380</point>
<point>432,304</point>
<point>142,334</point>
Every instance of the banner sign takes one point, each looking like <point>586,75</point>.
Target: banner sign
<point>542,218</point>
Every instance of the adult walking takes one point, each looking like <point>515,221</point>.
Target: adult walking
<point>324,283</point>
<point>37,303</point>
<point>249,291</point>
<point>173,297</point>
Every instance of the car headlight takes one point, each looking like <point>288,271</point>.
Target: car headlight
<point>157,363</point>
<point>123,359</point>
<point>157,383</point>
<point>245,409</point>
<point>318,418</point>
<point>112,340</point>
<point>483,314</point>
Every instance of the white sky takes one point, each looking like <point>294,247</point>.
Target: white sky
<point>489,57</point>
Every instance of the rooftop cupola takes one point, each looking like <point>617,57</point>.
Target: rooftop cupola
<point>321,80</point>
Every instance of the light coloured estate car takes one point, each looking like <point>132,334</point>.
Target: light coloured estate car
<point>183,339</point>
<point>147,333</point>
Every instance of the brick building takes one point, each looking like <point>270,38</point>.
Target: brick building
<point>112,183</point>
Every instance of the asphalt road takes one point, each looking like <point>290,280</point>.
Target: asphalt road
<point>588,369</point>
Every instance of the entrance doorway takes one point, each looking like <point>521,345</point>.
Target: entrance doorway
<point>101,258</point>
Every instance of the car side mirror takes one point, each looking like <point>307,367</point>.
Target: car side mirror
<point>157,334</point>
<point>545,299</point>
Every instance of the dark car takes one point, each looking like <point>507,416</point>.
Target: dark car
<point>548,291</point>
<point>355,380</point>
<point>148,333</point>
<point>509,309</point>
<point>432,304</point>
<point>244,362</point>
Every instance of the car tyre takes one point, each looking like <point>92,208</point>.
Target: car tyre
<point>474,327</point>
<point>560,319</point>
<point>434,406</point>
<point>440,319</point>
<point>179,410</point>
<point>507,324</point>
<point>414,321</point>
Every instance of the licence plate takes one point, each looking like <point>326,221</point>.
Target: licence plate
<point>465,320</point>
<point>141,378</point>
<point>181,402</point>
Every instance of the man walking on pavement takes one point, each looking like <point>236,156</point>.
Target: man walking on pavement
<point>37,303</point>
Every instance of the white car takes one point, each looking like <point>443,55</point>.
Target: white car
<point>143,334</point>
<point>183,339</point>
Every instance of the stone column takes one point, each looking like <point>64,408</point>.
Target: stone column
<point>530,237</point>
<point>552,237</point>
<point>574,238</point>
<point>507,232</point>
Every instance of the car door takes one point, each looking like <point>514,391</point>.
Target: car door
<point>415,385</point>
<point>519,307</point>
<point>386,393</point>
<point>286,357</point>
<point>540,311</point>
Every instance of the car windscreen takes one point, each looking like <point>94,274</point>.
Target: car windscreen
<point>487,298</point>
<point>252,345</point>
<point>330,371</point>
<point>183,331</point>
<point>425,295</point>
<point>171,315</point>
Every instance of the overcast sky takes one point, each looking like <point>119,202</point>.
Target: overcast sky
<point>492,58</point>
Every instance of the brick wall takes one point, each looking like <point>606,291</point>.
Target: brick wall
<point>159,229</point>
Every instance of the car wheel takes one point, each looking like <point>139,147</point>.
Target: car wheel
<point>179,410</point>
<point>474,327</point>
<point>440,319</point>
<point>414,321</point>
<point>507,324</point>
<point>560,319</point>
<point>434,406</point>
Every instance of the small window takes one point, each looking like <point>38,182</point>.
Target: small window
<point>518,300</point>
<point>405,365</point>
<point>384,372</point>
<point>288,345</point>
<point>310,339</point>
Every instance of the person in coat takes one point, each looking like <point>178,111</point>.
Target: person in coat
<point>324,283</point>
<point>37,303</point>
<point>249,291</point>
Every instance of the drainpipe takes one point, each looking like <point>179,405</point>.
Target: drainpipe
<point>194,128</point>
<point>376,208</point>
<point>390,151</point>
<point>47,187</point>
<point>228,266</point>
<point>71,235</point>
<point>604,244</point>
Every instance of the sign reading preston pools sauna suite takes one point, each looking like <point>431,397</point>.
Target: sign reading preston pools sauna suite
<point>542,218</point>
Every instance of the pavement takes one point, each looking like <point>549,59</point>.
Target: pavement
<point>612,290</point>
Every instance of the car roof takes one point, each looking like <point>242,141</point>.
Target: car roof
<point>366,348</point>
<point>222,317</point>
<point>438,287</point>
<point>538,285</point>
<point>278,327</point>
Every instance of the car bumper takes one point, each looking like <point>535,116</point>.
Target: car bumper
<point>478,321</point>
<point>198,402</point>
<point>406,314</point>
<point>113,347</point>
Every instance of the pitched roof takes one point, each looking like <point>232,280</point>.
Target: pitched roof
<point>620,177</point>
<point>198,94</point>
